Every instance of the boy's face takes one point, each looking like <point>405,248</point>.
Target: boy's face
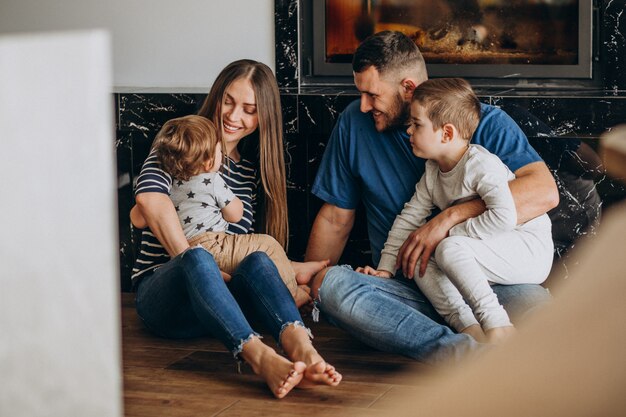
<point>214,165</point>
<point>425,142</point>
<point>381,98</point>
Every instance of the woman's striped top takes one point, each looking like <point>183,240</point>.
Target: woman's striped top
<point>239,176</point>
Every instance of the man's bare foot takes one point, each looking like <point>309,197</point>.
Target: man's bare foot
<point>476,332</point>
<point>280,374</point>
<point>306,270</point>
<point>498,335</point>
<point>296,343</point>
<point>303,296</point>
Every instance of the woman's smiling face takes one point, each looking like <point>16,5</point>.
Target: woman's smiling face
<point>239,112</point>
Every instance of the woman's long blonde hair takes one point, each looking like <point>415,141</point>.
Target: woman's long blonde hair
<point>265,144</point>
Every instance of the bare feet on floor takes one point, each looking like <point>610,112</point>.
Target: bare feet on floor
<point>320,373</point>
<point>296,343</point>
<point>280,374</point>
<point>306,270</point>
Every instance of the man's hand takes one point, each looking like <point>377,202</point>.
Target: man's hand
<point>368,270</point>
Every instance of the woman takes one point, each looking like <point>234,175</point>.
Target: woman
<point>181,292</point>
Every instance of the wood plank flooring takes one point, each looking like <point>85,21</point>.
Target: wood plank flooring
<point>198,377</point>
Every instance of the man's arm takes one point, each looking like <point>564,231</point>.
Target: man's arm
<point>534,192</point>
<point>160,215</point>
<point>329,233</point>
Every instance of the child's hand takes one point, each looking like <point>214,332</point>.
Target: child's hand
<point>368,270</point>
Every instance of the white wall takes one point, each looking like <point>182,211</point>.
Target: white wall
<point>163,44</point>
<point>59,285</point>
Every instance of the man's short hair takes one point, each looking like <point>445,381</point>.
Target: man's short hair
<point>391,53</point>
<point>449,100</point>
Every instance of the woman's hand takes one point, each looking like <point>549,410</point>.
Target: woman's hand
<point>368,270</point>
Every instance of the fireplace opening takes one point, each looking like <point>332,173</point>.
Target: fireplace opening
<point>522,41</point>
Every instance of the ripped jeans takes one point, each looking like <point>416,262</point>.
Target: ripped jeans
<point>187,297</point>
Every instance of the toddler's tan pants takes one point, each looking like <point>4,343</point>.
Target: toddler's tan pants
<point>229,251</point>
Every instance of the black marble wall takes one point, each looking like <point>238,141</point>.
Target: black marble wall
<point>555,122</point>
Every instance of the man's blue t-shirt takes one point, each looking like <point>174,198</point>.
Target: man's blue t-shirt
<point>379,168</point>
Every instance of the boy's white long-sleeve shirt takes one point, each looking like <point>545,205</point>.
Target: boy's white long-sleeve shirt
<point>479,174</point>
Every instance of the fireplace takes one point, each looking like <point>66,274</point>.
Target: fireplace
<point>490,42</point>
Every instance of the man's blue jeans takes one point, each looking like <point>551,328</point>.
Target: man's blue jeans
<point>187,297</point>
<point>394,316</point>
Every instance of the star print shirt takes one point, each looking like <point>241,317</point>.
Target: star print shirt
<point>199,202</point>
<point>239,176</point>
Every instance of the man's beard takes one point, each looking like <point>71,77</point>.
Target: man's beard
<point>397,115</point>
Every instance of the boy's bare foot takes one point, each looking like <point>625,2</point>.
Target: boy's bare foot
<point>306,270</point>
<point>476,332</point>
<point>280,374</point>
<point>296,343</point>
<point>498,335</point>
<point>302,296</point>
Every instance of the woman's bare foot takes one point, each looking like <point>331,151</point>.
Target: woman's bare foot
<point>498,335</point>
<point>320,373</point>
<point>476,332</point>
<point>280,374</point>
<point>306,270</point>
<point>296,343</point>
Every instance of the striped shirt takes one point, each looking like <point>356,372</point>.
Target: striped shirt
<point>239,176</point>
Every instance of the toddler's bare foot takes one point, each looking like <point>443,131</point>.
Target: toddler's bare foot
<point>306,270</point>
<point>476,332</point>
<point>302,296</point>
<point>498,335</point>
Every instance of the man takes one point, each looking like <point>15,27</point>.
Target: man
<point>369,159</point>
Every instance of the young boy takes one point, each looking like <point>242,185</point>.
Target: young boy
<point>189,150</point>
<point>490,248</point>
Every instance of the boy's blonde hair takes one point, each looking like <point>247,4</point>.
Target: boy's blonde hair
<point>184,144</point>
<point>450,100</point>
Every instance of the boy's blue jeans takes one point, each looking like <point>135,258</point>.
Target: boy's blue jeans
<point>394,316</point>
<point>187,297</point>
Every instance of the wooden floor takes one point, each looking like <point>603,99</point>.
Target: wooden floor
<point>198,377</point>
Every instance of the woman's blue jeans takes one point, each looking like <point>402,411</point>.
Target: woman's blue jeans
<point>187,297</point>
